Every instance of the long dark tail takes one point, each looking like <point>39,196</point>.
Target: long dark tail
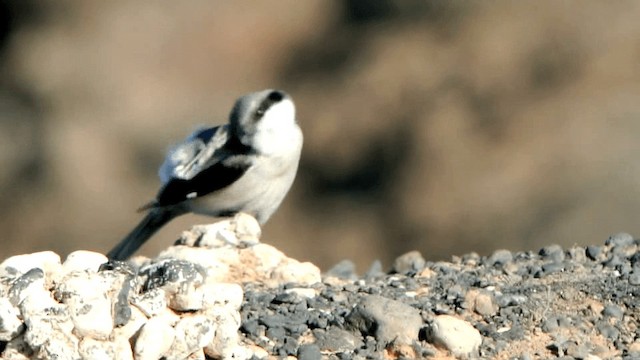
<point>155,219</point>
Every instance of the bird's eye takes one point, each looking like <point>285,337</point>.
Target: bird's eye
<point>260,112</point>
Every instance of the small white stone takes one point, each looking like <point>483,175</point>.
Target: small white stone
<point>247,229</point>
<point>305,293</point>
<point>187,299</point>
<point>266,256</point>
<point>192,333</point>
<point>136,321</point>
<point>216,262</point>
<point>17,265</point>
<point>296,272</point>
<point>222,294</point>
<point>154,340</point>
<point>226,344</point>
<point>10,325</point>
<point>455,335</point>
<point>122,349</point>
<point>94,349</point>
<point>44,317</point>
<point>87,295</point>
<point>592,357</point>
<point>216,235</point>
<point>83,260</point>
<point>151,303</point>
<point>59,345</point>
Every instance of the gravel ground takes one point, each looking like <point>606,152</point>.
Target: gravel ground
<point>219,293</point>
<point>576,303</point>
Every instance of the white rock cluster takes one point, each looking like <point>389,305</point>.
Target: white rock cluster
<point>182,305</point>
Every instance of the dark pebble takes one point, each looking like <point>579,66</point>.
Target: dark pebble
<point>345,269</point>
<point>309,352</point>
<point>634,277</point>
<point>273,321</point>
<point>375,270</point>
<point>511,300</point>
<point>635,260</point>
<point>550,325</point>
<point>621,239</point>
<point>284,297</point>
<point>613,261</point>
<point>613,311</point>
<point>275,333</point>
<point>553,253</point>
<point>551,268</point>
<point>251,327</point>
<point>335,339</point>
<point>290,346</point>
<point>410,262</point>
<point>593,252</point>
<point>500,257</point>
<point>608,331</point>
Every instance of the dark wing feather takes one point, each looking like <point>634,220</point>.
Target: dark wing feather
<point>214,177</point>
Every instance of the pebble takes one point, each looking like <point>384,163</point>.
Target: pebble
<point>83,260</point>
<point>345,269</point>
<point>192,333</point>
<point>309,352</point>
<point>620,239</point>
<point>151,302</point>
<point>553,253</point>
<point>337,340</point>
<point>410,262</point>
<point>500,257</point>
<point>607,330</point>
<point>10,325</point>
<point>89,304</point>
<point>156,331</point>
<point>15,266</point>
<point>370,315</point>
<point>634,277</point>
<point>455,335</point>
<point>613,311</point>
<point>593,252</point>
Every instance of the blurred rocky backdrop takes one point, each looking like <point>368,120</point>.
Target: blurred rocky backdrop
<point>446,127</point>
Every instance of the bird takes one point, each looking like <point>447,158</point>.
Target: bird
<point>247,165</point>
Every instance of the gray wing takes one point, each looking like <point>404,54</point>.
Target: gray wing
<point>207,161</point>
<point>187,159</point>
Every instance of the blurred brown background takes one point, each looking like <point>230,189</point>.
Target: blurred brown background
<point>445,127</point>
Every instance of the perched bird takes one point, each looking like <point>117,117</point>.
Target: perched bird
<point>247,165</point>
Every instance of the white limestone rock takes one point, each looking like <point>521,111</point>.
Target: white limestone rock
<point>157,331</point>
<point>151,303</point>
<point>15,266</point>
<point>192,333</point>
<point>83,260</point>
<point>241,231</point>
<point>222,294</point>
<point>126,331</point>
<point>226,344</point>
<point>10,325</point>
<point>44,317</point>
<point>105,350</point>
<point>455,335</point>
<point>87,295</point>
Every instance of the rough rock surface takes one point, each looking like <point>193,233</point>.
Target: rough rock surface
<point>221,294</point>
